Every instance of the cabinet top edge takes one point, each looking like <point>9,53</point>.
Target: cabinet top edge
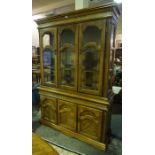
<point>110,7</point>
<point>87,97</point>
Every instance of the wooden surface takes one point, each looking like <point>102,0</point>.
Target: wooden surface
<point>88,14</point>
<point>40,147</point>
<point>67,115</point>
<point>49,109</point>
<point>80,110</point>
<point>89,122</point>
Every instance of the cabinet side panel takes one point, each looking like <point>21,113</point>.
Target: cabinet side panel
<point>106,57</point>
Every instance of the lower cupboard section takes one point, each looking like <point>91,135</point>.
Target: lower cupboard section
<point>79,121</point>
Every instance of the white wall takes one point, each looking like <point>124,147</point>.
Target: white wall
<point>35,34</point>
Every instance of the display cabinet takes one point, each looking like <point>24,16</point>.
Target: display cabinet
<point>76,64</point>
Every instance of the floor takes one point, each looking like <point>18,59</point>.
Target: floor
<point>70,146</point>
<point>62,151</point>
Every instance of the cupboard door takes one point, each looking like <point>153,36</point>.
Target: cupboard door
<point>48,56</point>
<point>67,59</point>
<point>49,110</point>
<point>91,56</point>
<point>67,115</point>
<point>89,122</point>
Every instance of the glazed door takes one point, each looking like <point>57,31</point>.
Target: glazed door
<point>67,58</point>
<point>48,57</point>
<point>91,56</point>
<point>67,115</point>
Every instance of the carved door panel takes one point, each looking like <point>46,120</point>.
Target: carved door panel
<point>91,56</point>
<point>67,115</point>
<point>49,110</point>
<point>67,58</point>
<point>89,122</point>
<point>48,56</point>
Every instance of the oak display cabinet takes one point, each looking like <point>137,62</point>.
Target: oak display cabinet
<point>76,72</point>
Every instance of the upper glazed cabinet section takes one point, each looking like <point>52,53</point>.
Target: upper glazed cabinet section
<point>67,56</point>
<point>91,56</point>
<point>79,49</point>
<point>49,62</point>
<point>75,49</point>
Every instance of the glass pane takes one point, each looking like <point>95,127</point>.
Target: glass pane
<point>49,64</point>
<point>67,77</point>
<point>90,58</point>
<point>67,66</point>
<point>91,34</point>
<point>90,69</point>
<point>67,36</point>
<point>48,39</point>
<point>67,58</point>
